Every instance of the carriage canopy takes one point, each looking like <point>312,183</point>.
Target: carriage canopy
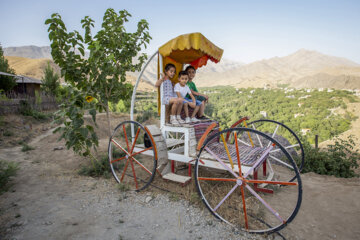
<point>192,48</point>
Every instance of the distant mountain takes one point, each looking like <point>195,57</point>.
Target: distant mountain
<point>31,51</point>
<point>35,68</point>
<point>150,75</point>
<point>31,67</point>
<point>293,70</point>
<point>28,52</point>
<point>303,69</point>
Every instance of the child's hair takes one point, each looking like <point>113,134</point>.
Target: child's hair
<point>182,73</point>
<point>168,66</point>
<point>190,67</point>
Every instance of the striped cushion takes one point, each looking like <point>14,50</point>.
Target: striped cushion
<point>248,155</point>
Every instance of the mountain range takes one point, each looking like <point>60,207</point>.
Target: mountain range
<point>302,69</point>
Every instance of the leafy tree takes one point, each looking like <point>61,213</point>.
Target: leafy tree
<point>50,80</point>
<point>6,82</point>
<point>102,76</point>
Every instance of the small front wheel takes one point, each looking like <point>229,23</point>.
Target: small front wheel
<point>132,160</point>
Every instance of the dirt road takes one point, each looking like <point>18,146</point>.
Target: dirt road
<point>50,200</point>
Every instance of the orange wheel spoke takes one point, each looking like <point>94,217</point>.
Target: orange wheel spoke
<point>123,174</point>
<point>218,179</point>
<point>118,159</point>
<point>244,206</point>
<point>136,161</point>
<point>271,182</point>
<point>126,138</point>
<point>136,136</point>
<point>146,149</point>
<point>133,170</point>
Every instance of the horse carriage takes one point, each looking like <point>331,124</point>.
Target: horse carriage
<point>245,175</point>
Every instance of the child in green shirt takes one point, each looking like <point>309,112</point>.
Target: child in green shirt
<point>198,96</point>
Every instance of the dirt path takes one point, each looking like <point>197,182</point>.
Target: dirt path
<point>51,201</point>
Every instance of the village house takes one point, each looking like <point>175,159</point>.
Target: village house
<point>27,85</point>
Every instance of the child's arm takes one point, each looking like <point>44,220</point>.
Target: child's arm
<point>199,94</point>
<point>160,81</point>
<point>179,95</point>
<point>193,103</point>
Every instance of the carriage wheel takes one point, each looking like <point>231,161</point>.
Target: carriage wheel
<point>285,136</point>
<point>231,194</point>
<point>132,155</point>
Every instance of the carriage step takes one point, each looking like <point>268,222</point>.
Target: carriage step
<point>177,178</point>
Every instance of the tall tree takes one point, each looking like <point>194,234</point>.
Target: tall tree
<point>50,80</point>
<point>6,82</point>
<point>102,76</point>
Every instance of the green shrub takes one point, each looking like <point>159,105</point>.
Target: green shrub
<point>339,160</point>
<point>26,110</point>
<point>98,168</point>
<point>7,170</point>
<point>8,133</point>
<point>26,147</point>
<point>144,116</point>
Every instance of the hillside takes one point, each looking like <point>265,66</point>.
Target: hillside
<point>35,68</point>
<point>302,69</point>
<point>28,52</point>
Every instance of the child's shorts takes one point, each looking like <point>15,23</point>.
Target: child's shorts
<point>198,103</point>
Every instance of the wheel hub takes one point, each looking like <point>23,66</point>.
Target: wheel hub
<point>239,182</point>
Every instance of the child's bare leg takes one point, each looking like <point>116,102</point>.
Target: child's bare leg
<point>174,106</point>
<point>180,106</point>
<point>202,109</point>
<point>196,109</point>
<point>186,109</point>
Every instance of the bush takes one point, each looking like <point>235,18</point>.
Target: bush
<point>26,147</point>
<point>144,116</point>
<point>339,160</point>
<point>98,168</point>
<point>7,170</point>
<point>26,110</point>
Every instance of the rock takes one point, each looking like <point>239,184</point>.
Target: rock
<point>148,199</point>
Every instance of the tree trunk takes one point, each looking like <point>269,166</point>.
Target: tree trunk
<point>108,119</point>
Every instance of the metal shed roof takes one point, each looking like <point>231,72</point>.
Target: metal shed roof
<point>22,79</point>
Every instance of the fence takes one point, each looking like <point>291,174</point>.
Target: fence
<point>41,102</point>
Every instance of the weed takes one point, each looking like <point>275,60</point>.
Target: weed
<point>26,147</point>
<point>97,168</point>
<point>8,133</point>
<point>26,110</point>
<point>123,187</point>
<point>17,215</point>
<point>7,170</point>
<point>194,197</point>
<point>174,197</point>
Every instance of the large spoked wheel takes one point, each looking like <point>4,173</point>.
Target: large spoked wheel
<point>132,155</point>
<point>285,136</point>
<point>235,195</point>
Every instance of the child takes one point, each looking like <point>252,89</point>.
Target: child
<point>169,96</point>
<point>198,96</point>
<point>181,89</point>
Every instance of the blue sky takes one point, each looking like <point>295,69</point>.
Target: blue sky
<point>246,30</point>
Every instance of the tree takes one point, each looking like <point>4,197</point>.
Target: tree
<point>6,82</point>
<point>102,76</point>
<point>50,80</point>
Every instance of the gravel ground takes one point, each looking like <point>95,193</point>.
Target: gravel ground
<point>49,200</point>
